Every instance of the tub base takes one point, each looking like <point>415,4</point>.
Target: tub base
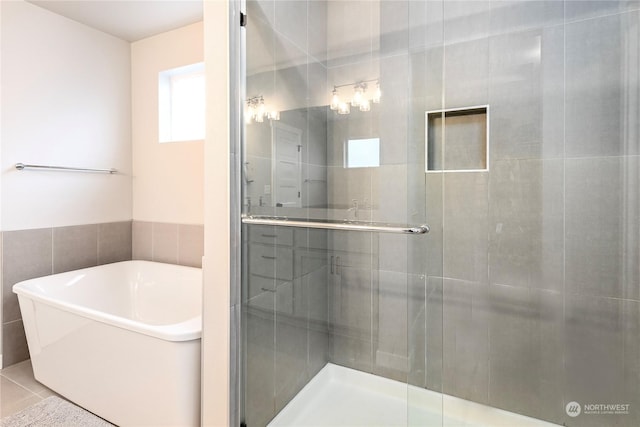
<point>125,377</point>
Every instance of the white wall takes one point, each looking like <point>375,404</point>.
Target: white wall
<point>217,259</point>
<point>65,101</point>
<point>169,178</point>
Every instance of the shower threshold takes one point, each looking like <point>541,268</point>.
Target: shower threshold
<point>339,396</point>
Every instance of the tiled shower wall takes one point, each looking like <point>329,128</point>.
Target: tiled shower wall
<point>525,295</point>
<point>33,253</point>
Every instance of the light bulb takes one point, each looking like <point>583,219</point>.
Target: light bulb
<point>357,96</point>
<point>250,112</point>
<point>377,95</point>
<point>344,108</point>
<point>365,105</point>
<point>260,112</point>
<point>335,100</point>
<point>273,115</point>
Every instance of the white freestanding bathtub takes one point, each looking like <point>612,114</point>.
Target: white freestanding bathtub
<point>121,340</point>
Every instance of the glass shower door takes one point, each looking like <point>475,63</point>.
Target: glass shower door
<point>334,280</point>
<point>511,129</point>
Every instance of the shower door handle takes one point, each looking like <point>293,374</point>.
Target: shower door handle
<point>347,226</point>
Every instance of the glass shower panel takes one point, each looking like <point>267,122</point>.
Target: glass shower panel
<point>321,304</point>
<point>511,128</point>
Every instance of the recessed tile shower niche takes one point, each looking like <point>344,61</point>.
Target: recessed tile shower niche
<point>457,140</point>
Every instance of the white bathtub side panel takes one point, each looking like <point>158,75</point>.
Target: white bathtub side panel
<point>125,377</point>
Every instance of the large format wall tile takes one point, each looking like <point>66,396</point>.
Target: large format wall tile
<point>465,332</point>
<point>526,221</point>
<point>602,226</point>
<point>190,245</point>
<point>165,242</point>
<point>466,77</point>
<point>114,242</point>
<point>14,343</point>
<point>466,20</point>
<point>601,357</point>
<point>526,330</point>
<point>585,9</point>
<point>181,244</point>
<point>465,244</point>
<point>526,94</point>
<point>291,354</point>
<point>603,85</point>
<point>26,254</point>
<point>393,110</point>
<point>259,332</point>
<point>142,240</point>
<point>75,247</point>
<point>390,326</point>
<point>511,16</point>
<point>350,314</point>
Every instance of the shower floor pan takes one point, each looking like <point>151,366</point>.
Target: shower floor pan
<point>339,396</point>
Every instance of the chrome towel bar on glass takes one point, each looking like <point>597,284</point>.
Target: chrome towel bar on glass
<point>22,166</point>
<point>350,226</point>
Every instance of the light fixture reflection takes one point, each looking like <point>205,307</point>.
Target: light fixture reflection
<point>335,100</point>
<point>344,108</point>
<point>377,94</point>
<point>360,98</point>
<point>257,111</point>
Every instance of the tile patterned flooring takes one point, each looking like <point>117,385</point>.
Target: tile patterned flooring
<point>18,388</point>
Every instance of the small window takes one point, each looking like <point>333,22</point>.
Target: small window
<point>362,153</point>
<point>181,98</point>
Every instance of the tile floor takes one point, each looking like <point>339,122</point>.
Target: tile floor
<point>18,388</point>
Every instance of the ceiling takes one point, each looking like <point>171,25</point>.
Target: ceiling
<point>128,20</point>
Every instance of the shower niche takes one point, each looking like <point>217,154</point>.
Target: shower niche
<point>457,140</point>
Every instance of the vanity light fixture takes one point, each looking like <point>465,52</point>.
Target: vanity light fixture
<point>365,105</point>
<point>377,94</point>
<point>358,94</point>
<point>335,100</point>
<point>257,111</point>
<point>360,98</point>
<point>344,108</point>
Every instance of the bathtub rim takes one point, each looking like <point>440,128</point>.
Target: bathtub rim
<point>190,329</point>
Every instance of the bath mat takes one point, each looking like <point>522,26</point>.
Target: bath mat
<point>53,412</point>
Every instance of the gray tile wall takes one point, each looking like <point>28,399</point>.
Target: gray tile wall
<point>285,316</point>
<point>27,254</point>
<point>541,253</point>
<point>285,339</point>
<point>33,253</point>
<point>527,285</point>
<point>525,294</point>
<point>180,244</point>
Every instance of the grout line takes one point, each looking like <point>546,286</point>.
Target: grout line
<point>19,385</point>
<point>178,244</point>
<point>97,244</point>
<point>153,229</point>
<point>52,251</point>
<point>563,327</point>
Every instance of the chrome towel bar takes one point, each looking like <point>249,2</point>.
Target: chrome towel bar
<point>23,166</point>
<point>349,226</point>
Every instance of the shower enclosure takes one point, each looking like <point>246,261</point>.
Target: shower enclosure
<point>510,131</point>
